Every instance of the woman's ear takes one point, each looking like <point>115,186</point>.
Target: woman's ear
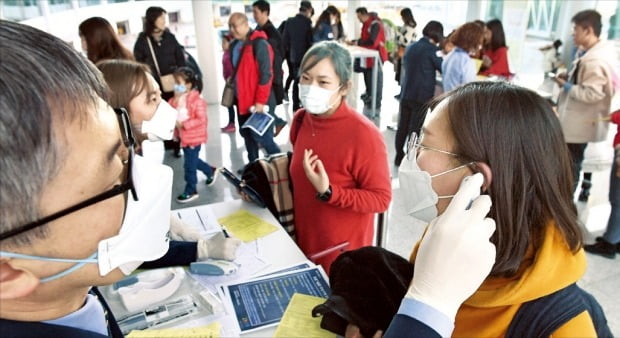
<point>344,89</point>
<point>486,172</point>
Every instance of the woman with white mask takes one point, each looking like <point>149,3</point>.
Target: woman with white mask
<point>511,136</point>
<point>339,165</point>
<point>153,120</point>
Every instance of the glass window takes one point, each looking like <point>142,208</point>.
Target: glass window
<point>86,3</point>
<point>59,5</point>
<point>495,9</point>
<point>543,18</point>
<point>18,10</point>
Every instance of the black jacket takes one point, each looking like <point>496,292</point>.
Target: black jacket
<point>168,51</point>
<point>297,37</point>
<point>275,40</point>
<point>420,63</point>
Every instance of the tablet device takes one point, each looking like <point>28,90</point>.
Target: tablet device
<point>240,185</point>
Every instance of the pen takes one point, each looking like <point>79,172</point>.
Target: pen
<point>225,232</point>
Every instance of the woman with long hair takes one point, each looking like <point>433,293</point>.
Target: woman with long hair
<point>495,58</point>
<point>322,30</point>
<point>100,41</point>
<point>158,47</point>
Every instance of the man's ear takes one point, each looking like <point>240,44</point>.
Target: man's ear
<point>15,282</point>
<point>486,172</point>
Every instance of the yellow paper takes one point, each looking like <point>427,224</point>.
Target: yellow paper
<point>246,226</point>
<point>298,321</point>
<point>209,331</point>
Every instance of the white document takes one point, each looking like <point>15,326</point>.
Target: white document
<point>202,217</point>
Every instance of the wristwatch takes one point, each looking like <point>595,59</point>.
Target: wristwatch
<point>324,197</point>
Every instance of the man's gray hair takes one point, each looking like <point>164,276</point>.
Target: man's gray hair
<point>339,56</point>
<point>44,84</point>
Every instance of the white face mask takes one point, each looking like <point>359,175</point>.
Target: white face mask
<point>420,198</point>
<point>316,99</point>
<point>161,126</point>
<point>144,232</point>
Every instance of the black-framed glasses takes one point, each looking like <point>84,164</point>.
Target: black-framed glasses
<point>127,185</point>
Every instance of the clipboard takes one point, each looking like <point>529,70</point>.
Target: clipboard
<point>240,185</point>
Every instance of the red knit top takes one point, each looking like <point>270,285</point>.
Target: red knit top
<point>499,62</point>
<point>355,158</point>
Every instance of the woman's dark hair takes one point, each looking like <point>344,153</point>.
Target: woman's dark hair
<point>468,37</point>
<point>407,17</point>
<point>152,13</point>
<point>516,133</point>
<point>189,76</point>
<point>102,43</point>
<point>324,17</point>
<point>433,30</point>
<point>498,39</point>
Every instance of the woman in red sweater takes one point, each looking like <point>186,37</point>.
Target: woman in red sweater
<point>495,58</point>
<point>339,167</point>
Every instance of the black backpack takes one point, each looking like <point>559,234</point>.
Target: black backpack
<point>543,316</point>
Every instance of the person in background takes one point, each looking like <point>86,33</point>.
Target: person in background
<point>260,11</point>
<point>405,35</point>
<point>337,27</point>
<point>76,220</point>
<point>192,127</point>
<point>552,56</point>
<point>372,37</point>
<point>158,47</point>
<point>586,90</point>
<point>322,30</point>
<point>167,50</point>
<point>253,57</point>
<point>420,64</point>
<point>458,68</point>
<point>337,189</point>
<point>297,38</point>
<point>609,243</point>
<point>100,42</point>
<point>495,58</point>
<point>227,70</point>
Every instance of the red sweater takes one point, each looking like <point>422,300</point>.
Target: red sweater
<point>355,158</point>
<point>615,118</point>
<point>499,62</point>
<point>194,130</point>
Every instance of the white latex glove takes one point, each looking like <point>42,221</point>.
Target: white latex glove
<point>180,231</point>
<point>455,255</point>
<point>218,247</point>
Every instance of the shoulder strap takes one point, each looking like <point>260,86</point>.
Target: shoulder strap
<point>235,67</point>
<point>153,54</point>
<point>543,316</point>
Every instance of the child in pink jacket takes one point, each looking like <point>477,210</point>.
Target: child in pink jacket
<point>192,129</point>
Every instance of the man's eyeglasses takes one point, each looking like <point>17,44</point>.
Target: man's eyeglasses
<point>127,185</point>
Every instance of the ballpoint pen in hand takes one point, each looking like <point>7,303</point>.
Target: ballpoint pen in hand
<point>225,232</point>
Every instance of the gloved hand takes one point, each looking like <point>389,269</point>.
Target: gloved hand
<point>218,247</point>
<point>179,231</point>
<point>455,255</point>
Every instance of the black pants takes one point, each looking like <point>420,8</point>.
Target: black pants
<point>294,71</point>
<point>410,119</point>
<point>368,82</point>
<point>576,153</point>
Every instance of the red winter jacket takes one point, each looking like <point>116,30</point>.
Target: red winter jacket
<point>373,42</point>
<point>194,130</point>
<point>254,72</point>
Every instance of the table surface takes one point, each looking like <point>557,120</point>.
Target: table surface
<point>277,248</point>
